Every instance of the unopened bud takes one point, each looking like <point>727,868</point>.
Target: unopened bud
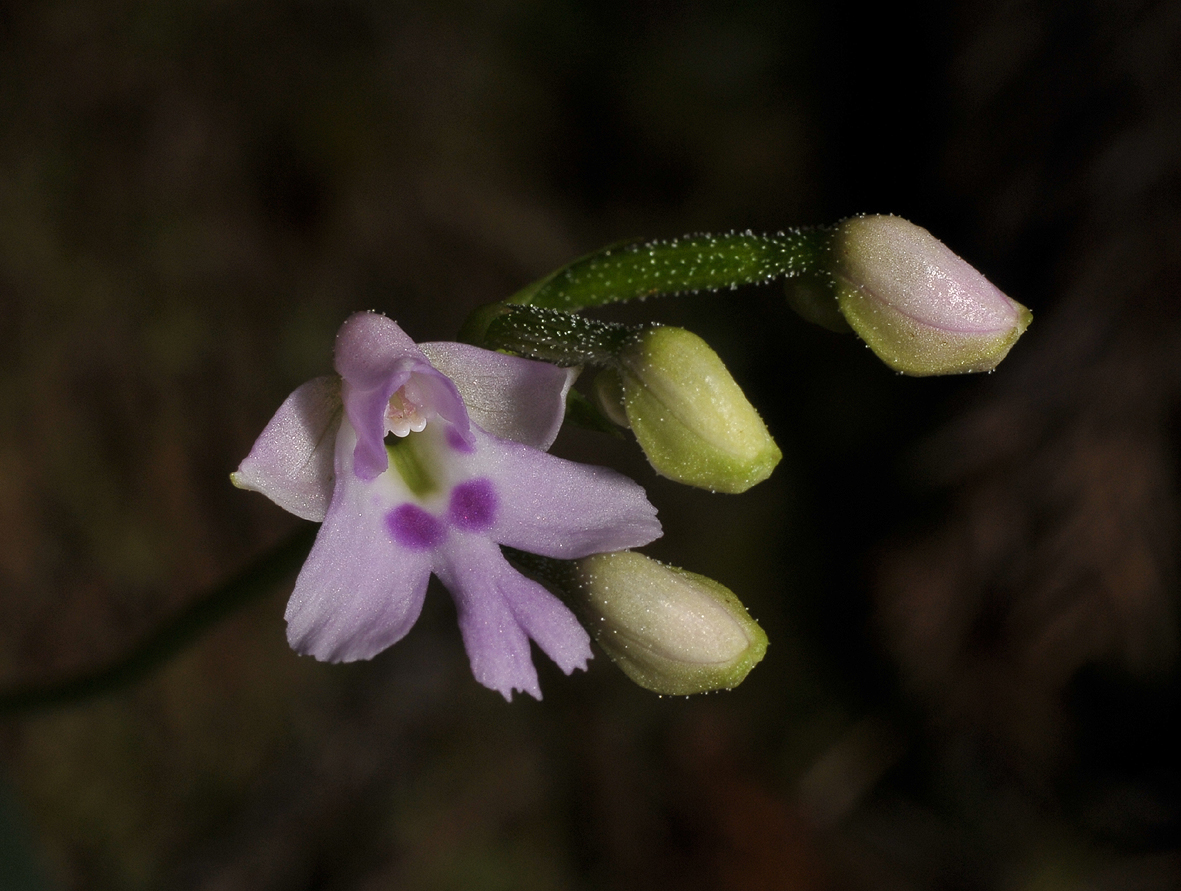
<point>671,631</point>
<point>688,414</point>
<point>918,306</point>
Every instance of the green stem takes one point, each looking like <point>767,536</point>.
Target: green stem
<point>263,575</point>
<point>691,263</point>
<point>558,337</point>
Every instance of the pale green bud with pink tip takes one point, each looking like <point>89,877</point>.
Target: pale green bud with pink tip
<point>689,416</point>
<point>669,630</point>
<point>918,306</point>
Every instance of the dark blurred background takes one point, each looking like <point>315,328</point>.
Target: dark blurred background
<point>970,584</point>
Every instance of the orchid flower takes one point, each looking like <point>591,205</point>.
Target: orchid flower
<point>425,459</point>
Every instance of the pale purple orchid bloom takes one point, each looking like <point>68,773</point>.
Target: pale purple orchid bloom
<point>425,459</point>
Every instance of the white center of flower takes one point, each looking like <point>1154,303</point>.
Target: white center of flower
<point>403,417</point>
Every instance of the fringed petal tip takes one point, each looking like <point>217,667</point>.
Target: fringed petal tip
<point>500,611</point>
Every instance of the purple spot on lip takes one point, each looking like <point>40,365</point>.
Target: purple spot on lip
<point>458,443</point>
<point>414,528</point>
<point>473,505</point>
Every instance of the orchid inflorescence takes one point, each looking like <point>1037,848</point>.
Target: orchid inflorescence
<point>421,459</point>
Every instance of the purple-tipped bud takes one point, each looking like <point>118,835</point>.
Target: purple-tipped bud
<point>918,306</point>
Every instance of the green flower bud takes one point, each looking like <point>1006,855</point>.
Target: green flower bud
<point>917,305</point>
<point>671,631</point>
<point>688,414</point>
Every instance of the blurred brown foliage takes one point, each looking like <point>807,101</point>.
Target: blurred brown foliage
<point>970,585</point>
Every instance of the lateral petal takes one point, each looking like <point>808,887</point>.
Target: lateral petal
<point>510,397</point>
<point>559,508</point>
<point>292,459</point>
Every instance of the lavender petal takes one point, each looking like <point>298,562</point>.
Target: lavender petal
<point>547,621</point>
<point>376,357</point>
<point>478,576</point>
<point>359,591</point>
<point>560,508</point>
<point>292,459</point>
<point>510,397</point>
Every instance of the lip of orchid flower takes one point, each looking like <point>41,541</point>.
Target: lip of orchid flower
<point>465,472</point>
